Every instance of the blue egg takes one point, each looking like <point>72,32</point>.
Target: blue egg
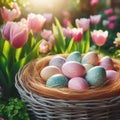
<point>96,76</point>
<point>74,56</point>
<point>57,61</point>
<point>57,81</point>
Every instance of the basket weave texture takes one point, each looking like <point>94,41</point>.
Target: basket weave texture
<point>62,103</point>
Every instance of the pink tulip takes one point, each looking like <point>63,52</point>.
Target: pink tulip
<point>99,37</point>
<point>45,46</point>
<point>9,15</point>
<point>46,34</point>
<point>48,17</point>
<point>112,18</point>
<point>108,11</point>
<point>35,22</point>
<point>111,25</point>
<point>66,22</point>
<point>95,19</point>
<point>66,31</point>
<point>51,40</point>
<point>6,30</point>
<point>94,2</point>
<point>18,34</point>
<point>83,23</point>
<point>18,12</point>
<point>1,118</point>
<point>76,34</point>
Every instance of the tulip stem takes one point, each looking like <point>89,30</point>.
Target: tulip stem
<point>99,50</point>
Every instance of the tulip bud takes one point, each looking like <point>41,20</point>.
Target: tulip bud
<point>94,2</point>
<point>108,11</point>
<point>48,17</point>
<point>35,22</point>
<point>111,25</point>
<point>45,46</point>
<point>6,30</point>
<point>76,34</point>
<point>95,19</point>
<point>99,37</point>
<point>1,118</point>
<point>66,31</point>
<point>18,35</point>
<point>83,23</point>
<point>46,34</point>
<point>9,15</point>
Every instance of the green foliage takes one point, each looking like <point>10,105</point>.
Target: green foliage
<point>67,45</point>
<point>15,109</point>
<point>11,60</point>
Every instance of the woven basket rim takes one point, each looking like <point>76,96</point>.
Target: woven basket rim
<point>37,86</point>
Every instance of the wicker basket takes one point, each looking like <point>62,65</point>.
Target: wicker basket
<point>65,104</point>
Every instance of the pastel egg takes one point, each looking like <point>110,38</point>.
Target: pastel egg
<point>74,56</point>
<point>96,76</point>
<point>107,63</point>
<point>90,58</point>
<point>58,81</point>
<point>78,83</point>
<point>112,76</point>
<point>57,61</point>
<point>48,71</point>
<point>88,66</point>
<point>73,69</point>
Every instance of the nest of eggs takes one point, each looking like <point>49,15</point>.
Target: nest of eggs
<point>32,80</point>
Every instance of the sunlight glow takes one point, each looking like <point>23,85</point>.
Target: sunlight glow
<point>49,5</point>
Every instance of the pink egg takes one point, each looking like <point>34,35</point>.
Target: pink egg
<point>48,71</point>
<point>107,63</point>
<point>78,83</point>
<point>73,69</point>
<point>112,76</point>
<point>90,58</point>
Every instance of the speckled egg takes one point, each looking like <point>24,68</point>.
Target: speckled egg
<point>57,81</point>
<point>107,63</point>
<point>57,61</point>
<point>74,56</point>
<point>88,66</point>
<point>90,58</point>
<point>78,83</point>
<point>96,76</point>
<point>112,76</point>
<point>73,69</point>
<point>48,71</point>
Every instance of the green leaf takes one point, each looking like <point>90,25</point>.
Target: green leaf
<point>60,32</point>
<point>87,41</point>
<point>33,54</point>
<point>3,80</point>
<point>31,41</point>
<point>6,49</point>
<point>56,45</point>
<point>3,60</point>
<point>69,48</point>
<point>18,54</point>
<point>1,42</point>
